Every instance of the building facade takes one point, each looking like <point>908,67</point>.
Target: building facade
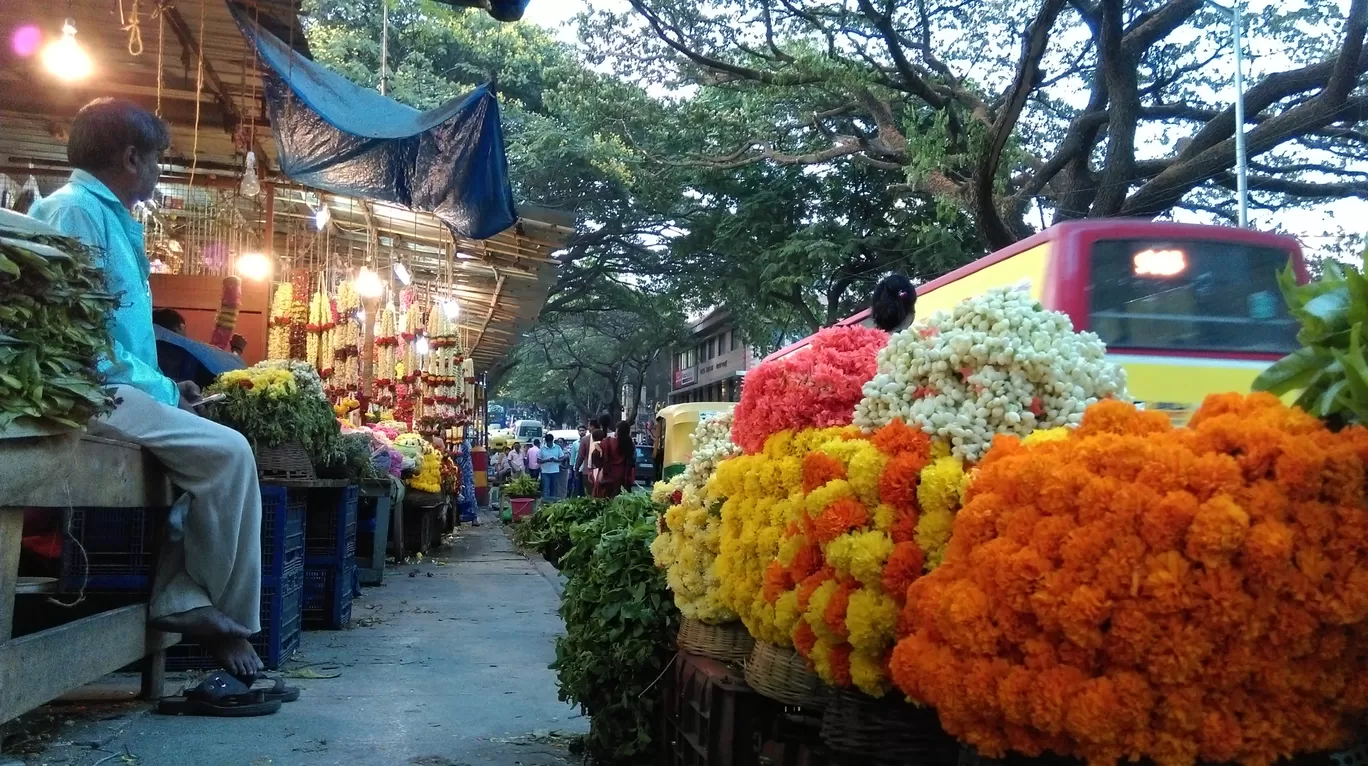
<point>711,364</point>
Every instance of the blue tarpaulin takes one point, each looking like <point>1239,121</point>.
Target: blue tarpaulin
<point>335,135</point>
<point>183,359</point>
<point>503,10</point>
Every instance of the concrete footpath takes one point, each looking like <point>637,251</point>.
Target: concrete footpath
<point>444,668</point>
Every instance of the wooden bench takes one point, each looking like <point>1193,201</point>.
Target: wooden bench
<point>58,473</point>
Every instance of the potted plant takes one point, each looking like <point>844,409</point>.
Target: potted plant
<point>522,494</point>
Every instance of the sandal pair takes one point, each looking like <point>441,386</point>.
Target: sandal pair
<point>224,695</point>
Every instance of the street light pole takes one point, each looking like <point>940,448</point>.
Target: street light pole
<point>1241,155</point>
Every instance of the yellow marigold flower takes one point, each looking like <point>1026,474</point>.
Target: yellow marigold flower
<point>865,468</point>
<point>786,614</point>
<point>883,517</point>
<point>941,485</point>
<point>815,616</point>
<point>818,499</point>
<point>860,554</point>
<point>662,550</point>
<point>872,619</point>
<point>1046,435</point>
<point>939,449</point>
<point>933,535</point>
<point>790,474</point>
<point>867,672</point>
<point>674,518</point>
<point>778,444</point>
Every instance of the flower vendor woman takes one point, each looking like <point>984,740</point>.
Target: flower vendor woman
<point>208,583</point>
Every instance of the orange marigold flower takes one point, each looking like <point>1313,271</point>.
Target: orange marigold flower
<point>1218,531</point>
<point>806,562</point>
<point>898,482</point>
<point>840,664</point>
<point>804,639</point>
<point>840,516</point>
<point>820,468</point>
<point>809,584</point>
<point>1111,416</point>
<point>904,526</point>
<point>777,582</point>
<point>904,566</point>
<point>898,438</point>
<point>835,613</point>
<point>1163,526</point>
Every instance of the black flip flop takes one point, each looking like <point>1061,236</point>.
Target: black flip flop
<point>219,695</point>
<point>277,690</point>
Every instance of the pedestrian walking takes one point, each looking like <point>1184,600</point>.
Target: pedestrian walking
<point>616,462</point>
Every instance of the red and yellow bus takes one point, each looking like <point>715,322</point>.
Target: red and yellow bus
<point>1187,310</point>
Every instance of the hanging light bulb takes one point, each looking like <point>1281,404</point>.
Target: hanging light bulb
<point>401,272</point>
<point>368,284</point>
<point>452,309</point>
<point>65,57</point>
<point>322,216</point>
<point>250,185</point>
<point>422,345</point>
<point>254,266</point>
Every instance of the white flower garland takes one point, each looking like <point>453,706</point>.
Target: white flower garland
<point>997,363</point>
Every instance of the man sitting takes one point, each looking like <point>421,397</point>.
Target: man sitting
<point>208,584</point>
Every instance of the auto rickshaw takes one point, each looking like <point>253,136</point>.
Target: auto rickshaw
<point>679,423</point>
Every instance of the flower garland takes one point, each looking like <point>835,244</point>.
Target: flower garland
<point>686,548</point>
<point>1132,590</point>
<point>443,375</point>
<point>386,346</point>
<point>996,363</point>
<point>817,387</point>
<point>282,312</point>
<point>299,314</point>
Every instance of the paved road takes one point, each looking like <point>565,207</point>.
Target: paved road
<point>444,669</point>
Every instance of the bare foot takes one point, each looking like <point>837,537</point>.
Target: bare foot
<point>204,621</point>
<point>236,656</point>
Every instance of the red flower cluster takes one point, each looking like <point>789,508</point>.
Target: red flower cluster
<point>1139,591</point>
<point>817,387</point>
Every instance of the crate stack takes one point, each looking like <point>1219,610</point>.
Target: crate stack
<point>330,557</point>
<point>282,586</point>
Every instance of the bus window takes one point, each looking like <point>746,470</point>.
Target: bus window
<point>1189,295</point>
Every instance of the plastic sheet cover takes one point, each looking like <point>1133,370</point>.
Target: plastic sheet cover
<point>335,135</point>
<point>503,10</point>
<point>181,358</point>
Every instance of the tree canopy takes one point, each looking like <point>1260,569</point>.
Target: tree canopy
<point>1013,110</point>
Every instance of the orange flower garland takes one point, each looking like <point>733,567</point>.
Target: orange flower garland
<point>1132,590</point>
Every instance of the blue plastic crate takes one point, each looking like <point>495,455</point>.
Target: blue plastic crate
<point>109,549</point>
<point>330,531</point>
<point>282,602</point>
<point>328,595</point>
<point>282,529</point>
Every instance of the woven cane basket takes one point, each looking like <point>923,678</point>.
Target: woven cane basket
<point>288,461</point>
<point>782,675</point>
<point>728,642</point>
<point>887,729</point>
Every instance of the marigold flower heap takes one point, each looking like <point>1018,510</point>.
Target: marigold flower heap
<point>1138,591</point>
<point>762,491</point>
<point>996,363</point>
<point>815,388</point>
<point>688,545</point>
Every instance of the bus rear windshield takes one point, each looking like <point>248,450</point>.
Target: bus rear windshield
<point>1189,295</point>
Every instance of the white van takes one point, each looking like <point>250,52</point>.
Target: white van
<point>527,431</point>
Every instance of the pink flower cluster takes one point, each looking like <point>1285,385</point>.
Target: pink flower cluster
<point>817,387</point>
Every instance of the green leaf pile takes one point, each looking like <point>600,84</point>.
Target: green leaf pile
<point>620,626</point>
<point>524,486</point>
<point>548,530</point>
<point>1329,370</point>
<point>53,311</point>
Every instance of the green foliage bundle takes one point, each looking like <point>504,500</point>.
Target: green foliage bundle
<point>524,486</point>
<point>353,459</point>
<point>53,311</point>
<point>620,626</point>
<point>274,403</point>
<point>1329,370</point>
<point>548,531</point>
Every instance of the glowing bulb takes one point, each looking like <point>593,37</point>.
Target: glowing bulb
<point>65,57</point>
<point>255,266</point>
<point>1159,263</point>
<point>422,345</point>
<point>250,185</point>
<point>452,309</point>
<point>322,216</point>
<point>402,274</point>
<point>368,284</point>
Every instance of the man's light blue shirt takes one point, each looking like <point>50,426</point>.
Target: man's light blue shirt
<point>550,458</point>
<point>86,209</point>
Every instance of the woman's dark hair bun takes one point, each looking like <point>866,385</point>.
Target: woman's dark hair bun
<point>894,301</point>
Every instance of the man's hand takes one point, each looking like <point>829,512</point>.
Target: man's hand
<point>189,394</point>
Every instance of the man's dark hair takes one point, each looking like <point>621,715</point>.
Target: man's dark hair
<point>105,127</point>
<point>605,421</point>
<point>169,319</point>
<point>238,343</point>
<point>550,439</point>
<point>894,300</point>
